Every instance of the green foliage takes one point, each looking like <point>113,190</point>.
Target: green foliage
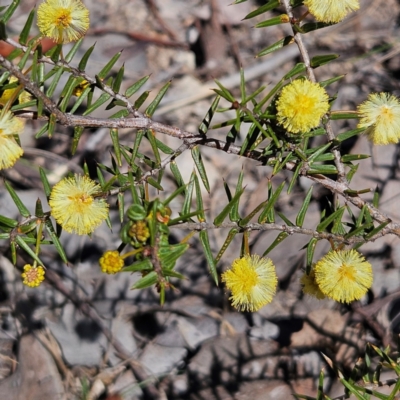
<point>364,381</point>
<point>253,132</point>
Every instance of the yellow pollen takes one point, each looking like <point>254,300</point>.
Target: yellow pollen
<point>249,280</point>
<point>84,198</point>
<point>305,102</point>
<point>347,272</point>
<point>387,112</point>
<point>31,275</point>
<point>64,19</point>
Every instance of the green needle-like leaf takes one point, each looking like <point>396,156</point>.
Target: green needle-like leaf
<point>199,200</point>
<point>271,4</point>
<point>118,80</point>
<point>136,86</point>
<point>276,46</point>
<point>203,128</point>
<point>346,135</point>
<point>148,280</point>
<point>270,204</point>
<point>280,238</point>
<point>101,100</point>
<point>24,246</point>
<point>116,145</point>
<point>23,37</point>
<point>10,11</point>
<point>56,241</point>
<point>337,215</point>
<point>154,104</point>
<point>227,209</point>
<point>234,213</point>
<point>85,58</point>
<point>187,203</point>
<point>107,68</point>
<point>310,254</point>
<point>205,242</point>
<point>142,98</point>
<point>143,265</point>
<point>232,233</point>
<point>18,202</point>
<point>304,207</point>
<point>196,155</point>
<point>8,222</point>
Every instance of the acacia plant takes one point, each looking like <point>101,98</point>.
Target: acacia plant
<point>281,122</point>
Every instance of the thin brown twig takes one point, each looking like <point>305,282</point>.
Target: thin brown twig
<point>199,226</point>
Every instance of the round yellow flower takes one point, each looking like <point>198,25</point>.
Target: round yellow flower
<point>10,151</point>
<point>301,106</point>
<point>331,10</point>
<point>380,114</point>
<point>74,206</point>
<point>111,262</point>
<point>32,276</point>
<point>310,286</point>
<point>63,21</point>
<point>343,275</point>
<point>252,281</point>
<point>23,97</point>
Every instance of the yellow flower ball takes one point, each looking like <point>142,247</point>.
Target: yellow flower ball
<point>63,21</point>
<point>111,262</point>
<point>301,105</point>
<point>380,115</point>
<point>343,275</point>
<point>252,281</point>
<point>331,11</point>
<point>32,276</point>
<point>10,151</point>
<point>75,207</point>
<point>310,286</point>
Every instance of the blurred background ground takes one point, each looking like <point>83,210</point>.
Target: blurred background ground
<point>83,335</point>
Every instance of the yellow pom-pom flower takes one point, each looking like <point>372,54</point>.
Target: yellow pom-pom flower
<point>75,207</point>
<point>301,106</point>
<point>343,275</point>
<point>310,286</point>
<point>252,281</point>
<point>63,21</point>
<point>380,114</point>
<point>32,276</point>
<point>331,11</point>
<point>10,151</point>
<point>111,262</point>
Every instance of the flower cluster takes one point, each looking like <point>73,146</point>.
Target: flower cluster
<point>139,231</point>
<point>380,115</point>
<point>331,11</point>
<point>111,262</point>
<point>63,21</point>
<point>10,151</point>
<point>32,276</point>
<point>301,105</point>
<point>342,275</point>
<point>74,205</point>
<point>252,281</point>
